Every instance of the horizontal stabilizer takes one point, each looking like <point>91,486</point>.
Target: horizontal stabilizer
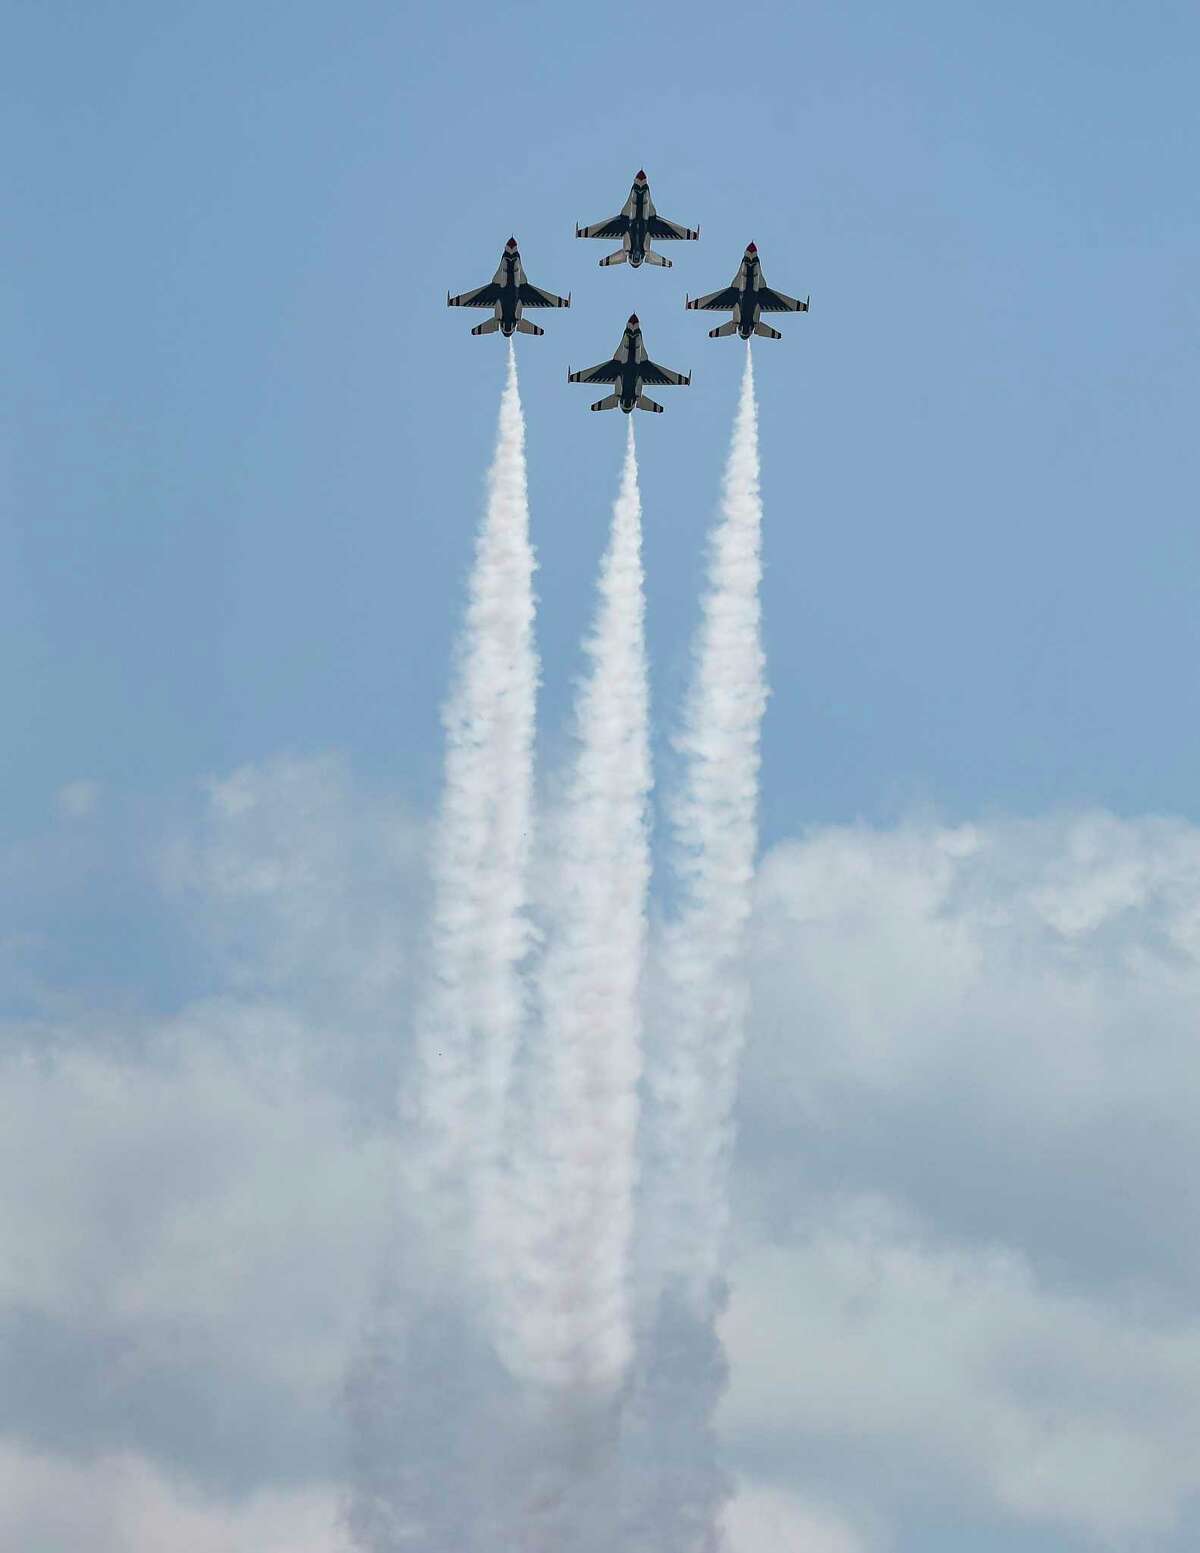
<point>614,258</point>
<point>657,258</point>
<point>525,327</point>
<point>767,332</point>
<point>648,404</point>
<point>729,328</point>
<point>610,403</point>
<point>488,326</point>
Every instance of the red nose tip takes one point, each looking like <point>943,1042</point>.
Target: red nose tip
<point>751,248</point>
<point>512,243</point>
<point>641,177</point>
<point>633,319</point>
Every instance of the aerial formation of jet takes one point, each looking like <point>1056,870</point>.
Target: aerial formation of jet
<point>630,367</point>
<point>637,225</point>
<point>508,292</point>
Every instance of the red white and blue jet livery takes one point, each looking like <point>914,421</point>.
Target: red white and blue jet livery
<point>508,293</point>
<point>630,367</point>
<point>746,296</point>
<point>638,225</point>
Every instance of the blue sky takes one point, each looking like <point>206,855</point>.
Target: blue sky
<point>243,439</point>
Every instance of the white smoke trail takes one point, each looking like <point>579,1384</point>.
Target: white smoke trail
<point>571,1320</point>
<point>693,1072</point>
<point>470,1021</point>
<point>423,1394</point>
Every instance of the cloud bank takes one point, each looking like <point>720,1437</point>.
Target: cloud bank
<point>964,1289</point>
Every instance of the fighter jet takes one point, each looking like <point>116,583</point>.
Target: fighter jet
<point>630,367</point>
<point>747,296</point>
<point>508,293</point>
<point>636,226</point>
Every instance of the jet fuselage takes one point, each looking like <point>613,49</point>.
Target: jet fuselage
<point>746,309</point>
<point>629,385</point>
<point>635,238</point>
<point>508,305</point>
<point>631,378</point>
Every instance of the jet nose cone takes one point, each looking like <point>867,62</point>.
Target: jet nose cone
<point>633,320</point>
<point>512,243</point>
<point>751,247</point>
<point>641,176</point>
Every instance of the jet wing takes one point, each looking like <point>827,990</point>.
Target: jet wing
<point>662,377</point>
<point>778,301</point>
<point>615,226</point>
<point>662,230</point>
<point>482,296</point>
<point>534,296</point>
<point>717,301</point>
<point>606,372</point>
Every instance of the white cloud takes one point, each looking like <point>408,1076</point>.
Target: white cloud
<point>956,1365</point>
<point>120,1504</point>
<point>968,1119</point>
<point>303,883</point>
<point>997,1023</point>
<point>968,1129</point>
<point>193,1207</point>
<point>761,1519</point>
<point>196,1234</point>
<point>902,943</point>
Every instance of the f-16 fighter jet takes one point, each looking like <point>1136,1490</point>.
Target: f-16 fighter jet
<point>508,293</point>
<point>637,226</point>
<point>747,296</point>
<point>630,367</point>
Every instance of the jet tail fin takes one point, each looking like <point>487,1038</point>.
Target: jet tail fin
<point>614,258</point>
<point>525,327</point>
<point>657,258</point>
<point>729,328</point>
<point>610,403</point>
<point>767,332</point>
<point>649,404</point>
<point>488,326</point>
